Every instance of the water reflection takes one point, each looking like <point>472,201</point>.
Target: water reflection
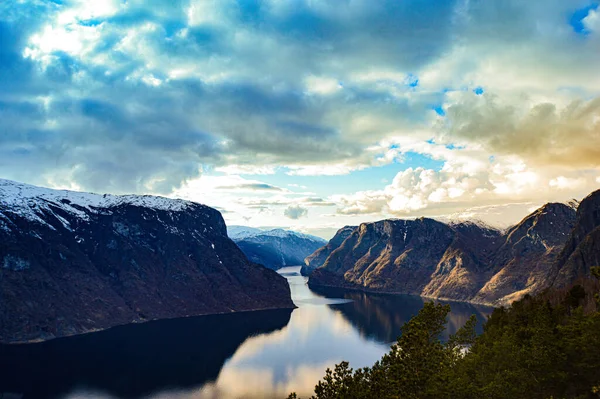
<point>329,326</point>
<point>135,360</point>
<point>380,317</point>
<point>252,355</point>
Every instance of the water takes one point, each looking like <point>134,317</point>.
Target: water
<point>251,355</point>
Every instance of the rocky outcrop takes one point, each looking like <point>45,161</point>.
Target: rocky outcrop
<point>459,261</point>
<point>275,248</point>
<point>318,257</point>
<point>388,256</point>
<point>76,262</point>
<point>582,250</point>
<point>464,266</point>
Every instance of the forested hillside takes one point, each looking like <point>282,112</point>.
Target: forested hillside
<point>545,346</point>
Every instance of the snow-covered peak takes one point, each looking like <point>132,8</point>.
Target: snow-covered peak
<point>27,201</point>
<point>243,232</point>
<point>472,223</point>
<point>287,233</point>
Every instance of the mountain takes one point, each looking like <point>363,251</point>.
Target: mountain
<point>582,250</point>
<point>275,248</point>
<point>75,262</point>
<point>317,258</point>
<point>457,261</point>
<point>240,232</point>
<point>524,262</point>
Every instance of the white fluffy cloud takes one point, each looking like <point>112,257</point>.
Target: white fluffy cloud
<point>498,190</point>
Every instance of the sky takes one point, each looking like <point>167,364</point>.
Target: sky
<point>307,114</point>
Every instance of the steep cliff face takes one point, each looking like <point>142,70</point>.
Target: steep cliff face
<point>461,261</point>
<point>465,265</point>
<point>524,262</point>
<point>389,256</point>
<point>77,262</point>
<point>318,257</point>
<point>275,248</point>
<point>582,250</point>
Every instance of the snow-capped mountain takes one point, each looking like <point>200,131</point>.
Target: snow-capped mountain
<point>275,248</point>
<point>29,201</point>
<point>74,262</point>
<point>241,232</point>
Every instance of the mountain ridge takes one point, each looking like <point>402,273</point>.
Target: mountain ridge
<point>464,261</point>
<point>275,248</point>
<point>582,250</point>
<point>75,262</point>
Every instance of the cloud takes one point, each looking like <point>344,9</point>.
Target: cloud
<point>295,212</point>
<point>542,133</point>
<point>469,184</point>
<point>162,83</point>
<point>251,187</point>
<point>565,183</point>
<point>129,97</point>
<point>284,201</point>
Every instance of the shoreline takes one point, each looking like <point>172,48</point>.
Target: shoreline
<point>397,293</point>
<point>92,331</point>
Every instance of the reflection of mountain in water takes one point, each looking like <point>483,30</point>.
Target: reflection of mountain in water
<point>380,317</point>
<point>134,360</point>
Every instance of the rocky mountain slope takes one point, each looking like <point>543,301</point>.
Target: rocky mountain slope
<point>76,262</point>
<point>275,248</point>
<point>458,261</point>
<point>525,261</point>
<point>582,250</point>
<point>318,257</point>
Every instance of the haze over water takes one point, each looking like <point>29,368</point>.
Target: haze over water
<point>254,354</point>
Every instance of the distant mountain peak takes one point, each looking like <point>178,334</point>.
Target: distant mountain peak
<point>275,248</point>
<point>237,232</point>
<point>244,232</point>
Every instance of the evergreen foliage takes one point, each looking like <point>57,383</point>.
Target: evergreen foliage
<point>537,348</point>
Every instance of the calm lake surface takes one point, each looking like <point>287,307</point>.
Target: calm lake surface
<point>243,355</point>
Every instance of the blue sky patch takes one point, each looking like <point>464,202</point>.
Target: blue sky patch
<point>373,178</point>
<point>576,19</point>
<point>412,80</point>
<point>439,110</point>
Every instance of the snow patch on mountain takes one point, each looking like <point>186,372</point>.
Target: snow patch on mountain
<point>241,232</point>
<point>274,248</point>
<point>244,232</point>
<point>30,202</point>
